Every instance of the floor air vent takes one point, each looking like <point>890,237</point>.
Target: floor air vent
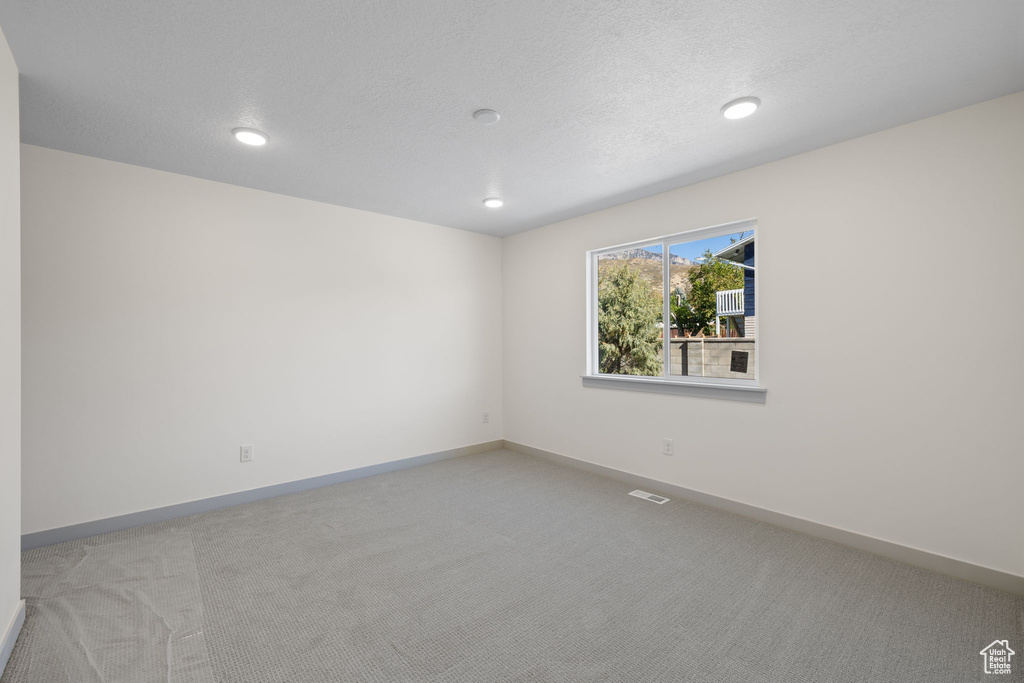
<point>660,500</point>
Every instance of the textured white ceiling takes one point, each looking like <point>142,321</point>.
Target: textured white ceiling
<point>369,104</point>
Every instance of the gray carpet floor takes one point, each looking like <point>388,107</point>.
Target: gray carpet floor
<point>494,567</point>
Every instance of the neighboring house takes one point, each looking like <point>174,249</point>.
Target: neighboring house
<point>736,306</point>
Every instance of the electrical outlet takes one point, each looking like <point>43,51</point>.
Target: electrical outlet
<point>245,454</point>
<point>668,448</point>
<point>487,418</point>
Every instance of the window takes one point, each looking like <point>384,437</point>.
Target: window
<point>676,311</point>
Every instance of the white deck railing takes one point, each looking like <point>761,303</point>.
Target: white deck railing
<point>729,302</point>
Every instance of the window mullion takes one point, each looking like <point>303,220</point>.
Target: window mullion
<point>666,311</point>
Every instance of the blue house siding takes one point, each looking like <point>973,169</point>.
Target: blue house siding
<point>748,280</point>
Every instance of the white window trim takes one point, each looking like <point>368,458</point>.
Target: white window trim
<point>709,387</point>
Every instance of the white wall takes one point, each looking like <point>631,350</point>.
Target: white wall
<point>858,243</point>
<point>168,320</point>
<point>10,342</point>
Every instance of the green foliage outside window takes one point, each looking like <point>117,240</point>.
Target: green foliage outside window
<point>696,312</point>
<point>628,313</point>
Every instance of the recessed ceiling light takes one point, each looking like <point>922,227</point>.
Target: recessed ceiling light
<point>487,116</point>
<point>250,136</point>
<point>741,108</point>
<point>493,203</point>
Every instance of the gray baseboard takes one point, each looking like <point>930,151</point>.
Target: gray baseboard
<point>986,576</point>
<point>39,539</point>
<point>11,635</point>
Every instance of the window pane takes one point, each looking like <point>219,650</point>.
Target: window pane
<point>629,312</point>
<point>714,323</point>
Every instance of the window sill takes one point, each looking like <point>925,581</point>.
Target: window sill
<point>725,392</point>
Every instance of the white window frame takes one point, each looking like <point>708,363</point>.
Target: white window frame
<point>710,387</point>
